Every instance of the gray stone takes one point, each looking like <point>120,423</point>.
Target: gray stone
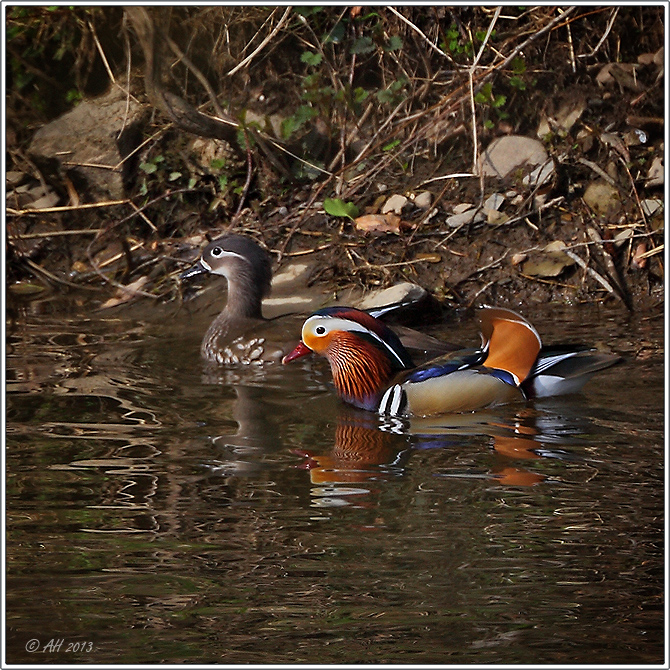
<point>457,220</point>
<point>424,200</point>
<point>394,204</point>
<point>88,145</point>
<point>511,153</point>
<point>405,292</point>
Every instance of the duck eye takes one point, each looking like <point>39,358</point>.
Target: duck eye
<point>217,251</point>
<point>320,330</point>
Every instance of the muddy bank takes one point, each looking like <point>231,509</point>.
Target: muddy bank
<point>349,163</point>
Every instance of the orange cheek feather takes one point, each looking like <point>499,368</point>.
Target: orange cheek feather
<point>317,344</point>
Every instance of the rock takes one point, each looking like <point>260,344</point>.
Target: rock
<point>457,220</point>
<point>656,174</point>
<point>508,154</point>
<point>659,57</point>
<point>14,177</point>
<point>624,74</point>
<point>651,205</point>
<point>463,207</point>
<point>540,175</point>
<point>293,274</point>
<point>603,199</point>
<point>494,201</point>
<point>291,291</point>
<point>28,196</point>
<point>394,204</point>
<point>405,292</point>
<point>564,118</point>
<point>89,142</point>
<point>49,199</point>
<point>424,200</point>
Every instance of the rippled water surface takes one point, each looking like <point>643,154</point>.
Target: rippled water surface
<point>160,513</point>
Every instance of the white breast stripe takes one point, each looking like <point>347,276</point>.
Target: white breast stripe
<point>391,401</point>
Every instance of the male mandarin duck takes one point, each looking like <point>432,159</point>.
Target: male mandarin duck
<point>372,370</point>
<point>240,334</point>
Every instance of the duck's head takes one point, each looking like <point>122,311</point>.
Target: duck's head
<point>245,265</point>
<point>364,354</point>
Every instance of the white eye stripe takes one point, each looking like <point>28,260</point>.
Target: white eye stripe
<point>347,325</point>
<point>230,254</point>
<point>223,255</point>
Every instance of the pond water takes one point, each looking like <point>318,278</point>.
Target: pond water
<point>158,513</point>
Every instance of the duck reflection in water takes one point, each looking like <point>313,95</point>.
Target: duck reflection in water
<point>368,449</point>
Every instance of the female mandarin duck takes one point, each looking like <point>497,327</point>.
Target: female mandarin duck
<point>240,334</point>
<point>233,337</point>
<point>372,370</point>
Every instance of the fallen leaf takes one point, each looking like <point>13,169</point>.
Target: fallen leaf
<point>495,218</point>
<point>614,141</point>
<point>25,288</point>
<point>639,260</point>
<point>550,262</point>
<point>125,293</point>
<point>429,258</point>
<point>378,223</point>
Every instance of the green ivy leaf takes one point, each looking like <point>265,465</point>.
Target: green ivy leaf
<point>518,65</point>
<point>336,35</point>
<point>517,83</point>
<point>337,207</point>
<point>311,58</point>
<point>394,43</point>
<point>148,168</point>
<point>363,45</point>
<point>360,94</point>
<point>499,101</point>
